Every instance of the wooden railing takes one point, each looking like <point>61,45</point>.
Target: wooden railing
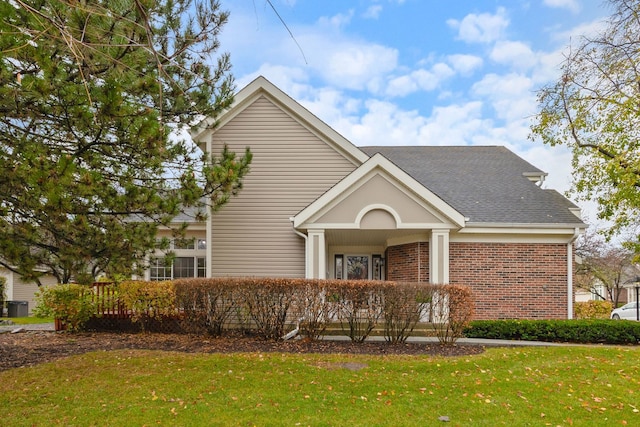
<point>108,301</point>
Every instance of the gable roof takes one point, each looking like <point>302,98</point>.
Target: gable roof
<point>375,165</point>
<point>263,87</point>
<point>487,184</point>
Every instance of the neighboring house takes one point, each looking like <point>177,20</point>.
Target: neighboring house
<point>621,282</point>
<point>18,289</point>
<point>190,252</point>
<point>584,295</point>
<point>314,205</point>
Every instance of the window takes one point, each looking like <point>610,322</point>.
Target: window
<point>182,267</point>
<point>378,267</point>
<point>202,267</point>
<point>338,266</point>
<point>357,267</point>
<point>159,270</point>
<point>186,243</point>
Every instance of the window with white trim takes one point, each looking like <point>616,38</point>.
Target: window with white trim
<point>159,269</point>
<point>182,267</point>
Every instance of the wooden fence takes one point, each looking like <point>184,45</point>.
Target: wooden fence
<point>108,302</point>
<point>112,315</point>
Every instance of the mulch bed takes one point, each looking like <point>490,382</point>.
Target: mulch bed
<point>34,347</point>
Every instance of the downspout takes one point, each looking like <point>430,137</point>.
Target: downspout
<point>576,233</point>
<point>304,236</point>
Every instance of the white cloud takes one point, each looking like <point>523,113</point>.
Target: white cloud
<point>556,161</point>
<point>290,80</point>
<point>353,65</point>
<point>482,28</point>
<point>572,5</point>
<point>337,21</point>
<point>511,96</point>
<point>426,80</point>
<point>514,54</point>
<point>456,124</point>
<point>373,12</point>
<point>383,123</point>
<point>465,64</point>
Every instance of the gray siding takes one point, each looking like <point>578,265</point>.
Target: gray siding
<point>252,234</point>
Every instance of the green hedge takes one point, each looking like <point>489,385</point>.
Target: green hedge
<point>71,304</point>
<point>594,331</point>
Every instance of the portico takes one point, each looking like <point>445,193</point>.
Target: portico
<point>350,227</point>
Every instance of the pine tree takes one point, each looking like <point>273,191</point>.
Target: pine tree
<point>95,100</point>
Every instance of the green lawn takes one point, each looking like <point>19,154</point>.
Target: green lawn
<point>556,386</point>
<point>29,320</point>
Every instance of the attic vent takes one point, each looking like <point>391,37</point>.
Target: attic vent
<point>536,177</point>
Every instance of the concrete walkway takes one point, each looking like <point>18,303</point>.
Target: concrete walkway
<point>32,327</point>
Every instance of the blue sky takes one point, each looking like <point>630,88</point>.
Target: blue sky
<point>416,72</point>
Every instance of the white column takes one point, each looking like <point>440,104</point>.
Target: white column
<point>439,257</point>
<point>316,255</point>
<point>570,280</point>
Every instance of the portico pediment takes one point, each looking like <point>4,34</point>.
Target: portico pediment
<point>378,196</point>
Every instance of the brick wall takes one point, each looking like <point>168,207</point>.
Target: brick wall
<point>509,280</point>
<point>523,281</point>
<point>408,263</point>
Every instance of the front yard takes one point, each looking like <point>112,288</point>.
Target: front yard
<point>572,385</point>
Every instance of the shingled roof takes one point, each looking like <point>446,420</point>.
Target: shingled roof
<point>486,184</point>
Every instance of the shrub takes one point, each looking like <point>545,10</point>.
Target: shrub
<point>148,301</point>
<point>208,304</point>
<point>452,310</point>
<point>359,305</point>
<point>72,304</point>
<point>602,331</point>
<point>267,302</point>
<point>593,309</point>
<point>271,307</point>
<point>404,305</point>
<point>312,309</point>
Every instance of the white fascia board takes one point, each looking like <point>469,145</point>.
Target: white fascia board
<point>380,162</point>
<point>560,239</point>
<point>401,226</point>
<point>263,87</point>
<point>481,227</point>
<point>521,232</point>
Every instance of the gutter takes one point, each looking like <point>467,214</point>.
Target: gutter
<point>576,233</point>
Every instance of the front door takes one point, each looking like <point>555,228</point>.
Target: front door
<point>359,267</point>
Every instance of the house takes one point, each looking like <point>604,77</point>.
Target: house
<point>314,205</point>
<point>19,289</point>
